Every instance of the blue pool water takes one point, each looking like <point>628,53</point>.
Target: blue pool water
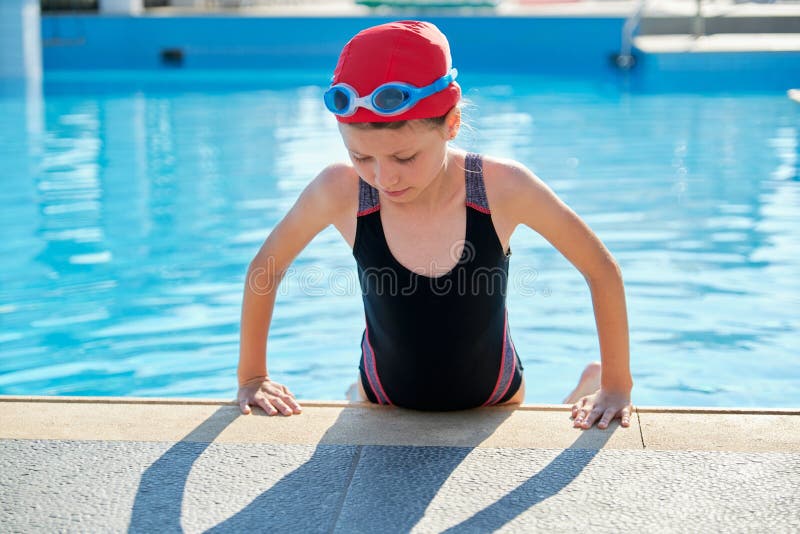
<point>131,210</point>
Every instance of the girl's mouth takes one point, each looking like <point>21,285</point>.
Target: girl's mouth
<point>396,193</point>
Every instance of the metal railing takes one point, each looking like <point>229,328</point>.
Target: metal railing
<point>68,5</point>
<point>86,5</point>
<point>625,59</point>
<point>93,5</point>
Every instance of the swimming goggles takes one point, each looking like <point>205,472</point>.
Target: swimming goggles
<point>392,98</point>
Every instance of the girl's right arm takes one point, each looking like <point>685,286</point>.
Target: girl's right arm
<point>324,201</point>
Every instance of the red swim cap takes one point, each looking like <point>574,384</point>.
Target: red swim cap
<point>407,51</point>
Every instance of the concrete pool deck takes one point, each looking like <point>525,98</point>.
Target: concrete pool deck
<point>141,465</point>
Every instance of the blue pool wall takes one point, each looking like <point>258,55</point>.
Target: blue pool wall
<point>718,71</point>
<point>507,44</point>
<point>580,47</point>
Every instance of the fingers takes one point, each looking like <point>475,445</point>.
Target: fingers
<point>586,417</point>
<point>268,408</point>
<point>591,417</point>
<point>270,396</point>
<point>293,404</point>
<point>282,406</point>
<point>275,404</point>
<point>581,411</point>
<point>577,406</point>
<point>608,415</point>
<point>580,417</point>
<point>291,401</point>
<point>626,416</point>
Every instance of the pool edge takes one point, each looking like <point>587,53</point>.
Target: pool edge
<point>344,403</point>
<point>345,423</point>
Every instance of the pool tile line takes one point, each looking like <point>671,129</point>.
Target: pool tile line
<point>641,434</point>
<point>350,474</point>
<point>716,410</point>
<point>349,404</point>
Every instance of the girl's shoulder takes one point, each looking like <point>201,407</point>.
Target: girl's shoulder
<point>336,175</point>
<point>520,196</point>
<point>506,181</point>
<point>336,188</point>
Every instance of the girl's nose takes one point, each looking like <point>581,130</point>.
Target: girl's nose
<point>386,176</point>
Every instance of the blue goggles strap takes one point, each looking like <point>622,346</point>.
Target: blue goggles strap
<point>341,99</point>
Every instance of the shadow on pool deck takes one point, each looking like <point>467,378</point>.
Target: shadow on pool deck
<point>415,474</point>
<point>175,465</point>
<point>157,505</point>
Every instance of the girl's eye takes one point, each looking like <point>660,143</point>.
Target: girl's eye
<point>362,159</point>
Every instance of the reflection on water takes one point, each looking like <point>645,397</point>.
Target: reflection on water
<point>130,216</point>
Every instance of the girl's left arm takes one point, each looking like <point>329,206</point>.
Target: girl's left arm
<point>528,200</point>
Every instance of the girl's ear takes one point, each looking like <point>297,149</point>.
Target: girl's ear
<point>453,122</point>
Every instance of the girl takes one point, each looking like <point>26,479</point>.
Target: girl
<point>429,227</point>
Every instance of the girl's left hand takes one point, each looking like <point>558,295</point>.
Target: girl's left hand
<point>605,405</point>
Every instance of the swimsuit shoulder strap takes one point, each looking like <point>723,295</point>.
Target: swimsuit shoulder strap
<point>368,200</point>
<point>476,191</point>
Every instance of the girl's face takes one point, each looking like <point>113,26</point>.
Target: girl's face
<point>400,162</point>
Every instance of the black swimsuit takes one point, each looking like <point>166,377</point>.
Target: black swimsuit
<point>438,343</point>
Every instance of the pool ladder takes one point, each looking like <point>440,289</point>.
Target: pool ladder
<point>625,60</point>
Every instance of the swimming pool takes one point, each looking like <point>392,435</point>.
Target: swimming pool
<point>131,210</point>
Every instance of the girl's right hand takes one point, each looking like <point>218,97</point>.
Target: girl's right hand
<point>269,395</point>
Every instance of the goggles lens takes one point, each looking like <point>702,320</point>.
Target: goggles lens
<point>337,100</point>
<point>390,98</point>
